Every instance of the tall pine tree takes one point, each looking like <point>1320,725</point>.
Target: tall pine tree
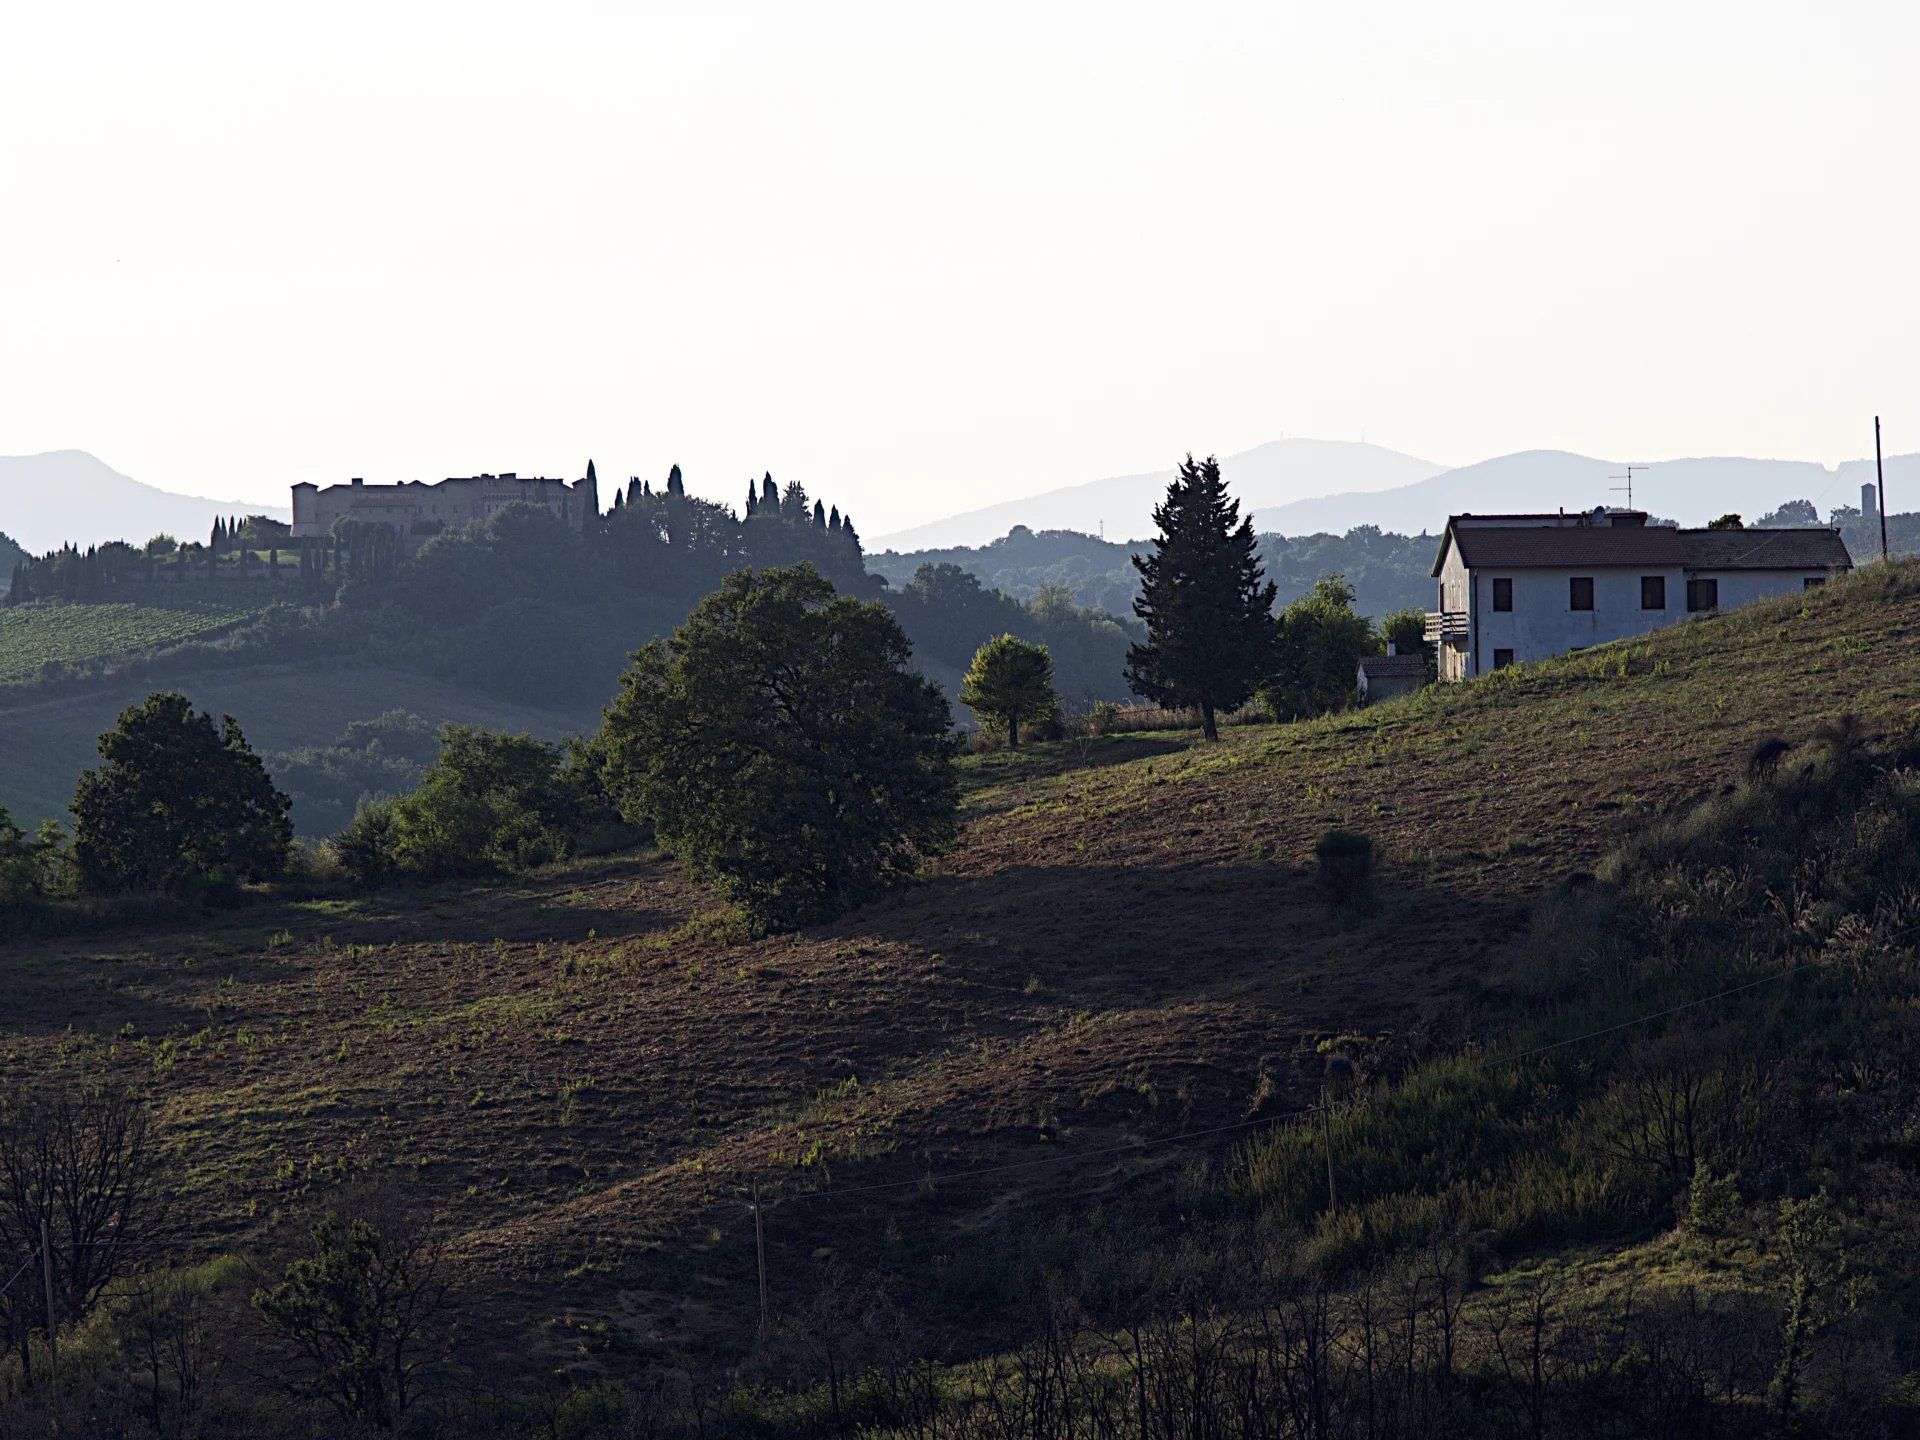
<point>1209,615</point>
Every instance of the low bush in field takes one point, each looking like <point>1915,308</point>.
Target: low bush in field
<point>490,804</point>
<point>1344,865</point>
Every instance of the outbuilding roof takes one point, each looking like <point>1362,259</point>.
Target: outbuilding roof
<point>1379,667</point>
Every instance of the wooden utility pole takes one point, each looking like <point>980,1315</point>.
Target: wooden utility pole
<point>53,1316</point>
<point>1880,486</point>
<point>760,1249</point>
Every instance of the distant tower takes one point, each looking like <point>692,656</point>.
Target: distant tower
<point>1869,500</point>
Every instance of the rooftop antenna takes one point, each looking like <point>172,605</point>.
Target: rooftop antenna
<point>1628,477</point>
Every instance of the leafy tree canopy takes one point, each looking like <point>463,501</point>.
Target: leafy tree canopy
<point>177,799</point>
<point>782,748</point>
<point>1791,514</point>
<point>1010,683</point>
<point>1319,644</point>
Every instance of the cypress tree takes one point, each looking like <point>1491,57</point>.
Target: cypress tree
<point>770,493</point>
<point>619,498</point>
<point>753,498</point>
<point>833,520</point>
<point>819,515</point>
<point>1208,610</point>
<point>793,502</point>
<point>675,485</point>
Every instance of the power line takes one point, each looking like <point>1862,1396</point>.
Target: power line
<point>21,1271</point>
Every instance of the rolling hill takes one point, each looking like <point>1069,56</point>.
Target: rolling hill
<point>1271,474</point>
<point>585,1070</point>
<point>68,496</point>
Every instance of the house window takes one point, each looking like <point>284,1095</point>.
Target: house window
<point>1703,594</point>
<point>1813,582</point>
<point>1580,592</point>
<point>1653,592</point>
<point>1502,659</point>
<point>1503,594</point>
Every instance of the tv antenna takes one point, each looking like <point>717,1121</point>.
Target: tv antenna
<point>1628,477</point>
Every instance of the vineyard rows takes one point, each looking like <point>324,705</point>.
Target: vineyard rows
<point>35,636</point>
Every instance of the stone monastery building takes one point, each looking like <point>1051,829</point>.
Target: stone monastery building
<point>419,510</point>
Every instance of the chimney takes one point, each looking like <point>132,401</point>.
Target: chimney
<point>1869,500</point>
<point>358,480</point>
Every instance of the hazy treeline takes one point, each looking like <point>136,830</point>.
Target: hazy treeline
<point>529,608</point>
<point>1387,572</point>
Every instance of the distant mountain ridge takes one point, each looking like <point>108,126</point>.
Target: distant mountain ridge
<point>1122,506</point>
<point>70,497</point>
<point>1692,491</point>
<point>1294,487</point>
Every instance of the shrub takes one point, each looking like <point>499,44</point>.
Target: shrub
<point>177,801</point>
<point>1345,867</point>
<point>31,867</point>
<point>491,803</point>
<point>1713,1202</point>
<point>364,849</point>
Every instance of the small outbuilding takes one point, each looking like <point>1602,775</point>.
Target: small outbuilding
<point>1384,676</point>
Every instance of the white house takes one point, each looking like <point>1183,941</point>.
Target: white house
<point>1514,588</point>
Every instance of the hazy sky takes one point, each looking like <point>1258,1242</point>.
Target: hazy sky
<point>926,257</point>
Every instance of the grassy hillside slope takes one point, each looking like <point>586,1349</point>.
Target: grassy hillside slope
<point>45,745</point>
<point>587,1069</point>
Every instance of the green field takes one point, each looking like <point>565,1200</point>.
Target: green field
<point>77,632</point>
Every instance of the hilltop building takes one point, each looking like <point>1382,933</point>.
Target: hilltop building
<point>419,510</point>
<point>1514,588</point>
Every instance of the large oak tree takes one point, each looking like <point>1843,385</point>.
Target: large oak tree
<point>781,747</point>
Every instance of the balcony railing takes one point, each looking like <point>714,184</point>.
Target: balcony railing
<point>1446,625</point>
